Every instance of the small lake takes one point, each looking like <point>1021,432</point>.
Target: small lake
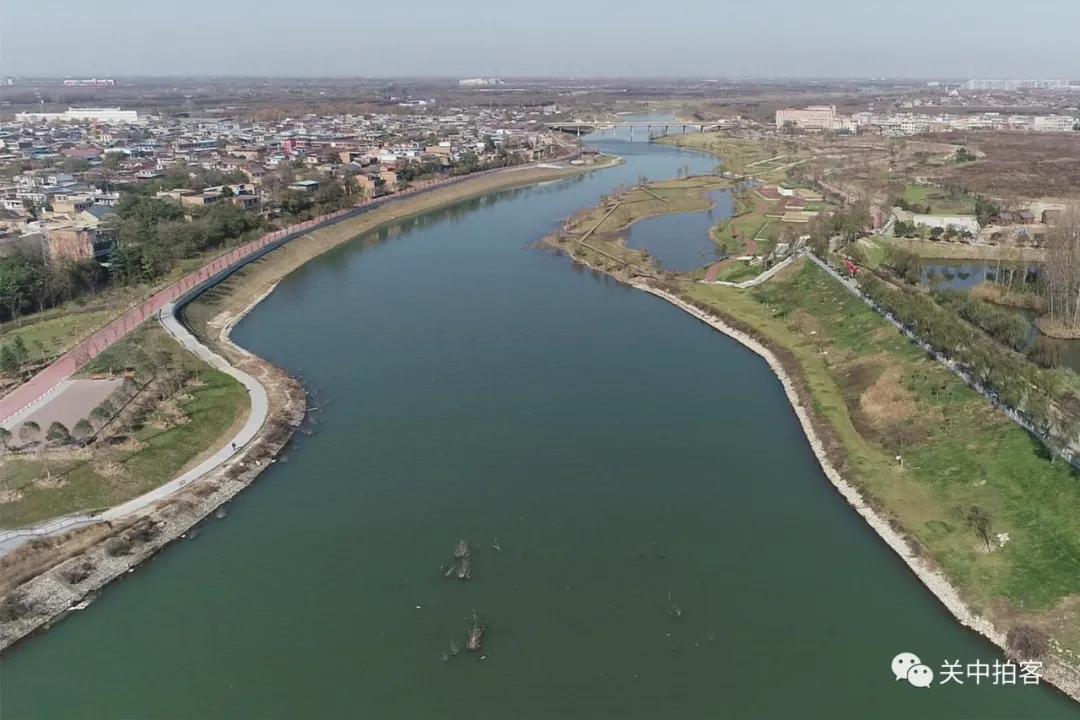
<point>965,274</point>
<point>682,242</point>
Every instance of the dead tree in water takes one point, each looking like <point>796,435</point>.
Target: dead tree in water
<point>462,564</point>
<point>475,635</point>
<point>462,549</point>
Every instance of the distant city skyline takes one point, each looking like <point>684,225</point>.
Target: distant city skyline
<point>684,38</point>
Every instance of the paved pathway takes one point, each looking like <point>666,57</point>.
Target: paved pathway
<point>260,409</point>
<point>715,269</point>
<point>46,382</point>
<point>164,303</point>
<point>71,401</point>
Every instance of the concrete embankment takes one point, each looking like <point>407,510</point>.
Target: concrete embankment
<point>1063,677</point>
<point>49,577</point>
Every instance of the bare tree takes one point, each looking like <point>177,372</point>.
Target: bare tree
<point>979,521</point>
<point>1062,285</point>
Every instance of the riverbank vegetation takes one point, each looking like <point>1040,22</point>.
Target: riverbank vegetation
<point>925,448</point>
<point>768,160</point>
<point>1004,326</point>
<point>975,493</point>
<point>597,236</point>
<point>1062,286</point>
<point>750,230</point>
<point>171,410</point>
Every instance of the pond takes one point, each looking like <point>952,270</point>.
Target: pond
<point>683,241</point>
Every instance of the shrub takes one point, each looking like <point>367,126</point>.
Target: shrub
<point>82,430</point>
<point>14,607</point>
<point>77,573</point>
<point>1027,642</point>
<point>118,546</point>
<point>1005,326</point>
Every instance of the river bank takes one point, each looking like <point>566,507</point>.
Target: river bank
<point>226,305</point>
<point>49,578</point>
<point>445,415</point>
<point>39,575</point>
<point>831,457</point>
<point>1063,676</point>
<point>839,455</point>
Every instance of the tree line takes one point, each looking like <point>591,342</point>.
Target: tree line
<point>1062,276</point>
<point>154,235</point>
<point>1016,382</point>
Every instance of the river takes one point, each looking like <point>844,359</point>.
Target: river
<point>624,457</point>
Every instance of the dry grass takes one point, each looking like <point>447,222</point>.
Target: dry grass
<point>1019,165</point>
<point>39,556</point>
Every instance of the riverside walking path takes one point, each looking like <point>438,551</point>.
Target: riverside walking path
<point>34,391</point>
<point>260,409</point>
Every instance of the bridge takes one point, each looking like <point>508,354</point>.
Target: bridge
<point>579,127</point>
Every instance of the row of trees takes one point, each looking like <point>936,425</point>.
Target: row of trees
<point>57,434</point>
<point>1061,286</point>
<point>1005,326</point>
<point>1017,383</point>
<point>470,162</point>
<point>30,282</point>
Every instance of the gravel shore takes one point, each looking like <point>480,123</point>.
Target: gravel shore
<point>1062,676</point>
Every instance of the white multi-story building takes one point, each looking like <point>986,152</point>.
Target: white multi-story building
<point>105,115</point>
<point>1054,123</point>
<point>479,82</point>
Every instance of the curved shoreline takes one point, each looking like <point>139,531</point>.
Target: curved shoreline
<point>1061,676</point>
<point>187,504</point>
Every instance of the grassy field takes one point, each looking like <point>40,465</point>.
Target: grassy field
<point>738,271</point>
<point>750,222</point>
<point>173,436</point>
<point>659,198</point>
<point>940,201</point>
<point>875,249</point>
<point>52,336</point>
<point>877,394</point>
<point>766,160</point>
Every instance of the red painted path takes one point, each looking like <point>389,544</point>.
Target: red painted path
<point>46,381</point>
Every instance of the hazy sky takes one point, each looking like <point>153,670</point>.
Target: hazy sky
<point>785,38</point>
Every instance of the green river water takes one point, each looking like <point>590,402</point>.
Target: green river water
<point>624,456</point>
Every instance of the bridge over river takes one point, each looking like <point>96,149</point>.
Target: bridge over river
<point>580,127</point>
